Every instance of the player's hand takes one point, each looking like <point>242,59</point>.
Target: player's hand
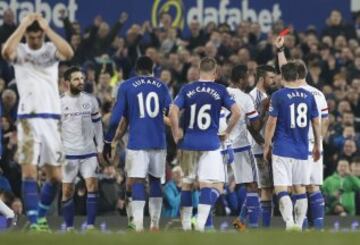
<point>279,42</point>
<point>267,153</point>
<point>107,152</point>
<point>316,153</point>
<point>223,136</point>
<point>123,17</point>
<point>44,25</point>
<point>101,160</point>
<point>28,19</point>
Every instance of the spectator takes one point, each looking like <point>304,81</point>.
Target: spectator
<point>172,194</point>
<point>8,26</point>
<point>336,26</point>
<point>339,190</point>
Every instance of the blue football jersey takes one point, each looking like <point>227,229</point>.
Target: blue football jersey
<point>294,109</point>
<point>202,103</point>
<point>143,100</point>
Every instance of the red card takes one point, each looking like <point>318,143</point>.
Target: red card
<point>284,32</point>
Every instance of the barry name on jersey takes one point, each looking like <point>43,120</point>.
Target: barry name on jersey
<point>296,94</point>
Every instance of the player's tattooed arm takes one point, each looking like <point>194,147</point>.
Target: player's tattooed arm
<point>9,47</point>
<point>317,135</point>
<point>269,134</point>
<point>254,129</point>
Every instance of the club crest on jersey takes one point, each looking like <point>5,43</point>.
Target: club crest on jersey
<point>86,106</point>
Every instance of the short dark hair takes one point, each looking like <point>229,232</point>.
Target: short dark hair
<point>262,70</point>
<point>289,72</point>
<point>238,72</point>
<point>207,64</point>
<point>34,27</point>
<point>301,68</point>
<point>69,71</point>
<point>144,65</point>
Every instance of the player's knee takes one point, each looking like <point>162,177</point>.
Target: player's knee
<point>299,189</point>
<point>312,188</point>
<point>29,171</point>
<point>252,187</point>
<point>67,192</point>
<point>91,185</point>
<point>266,194</point>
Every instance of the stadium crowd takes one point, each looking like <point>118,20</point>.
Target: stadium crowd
<point>107,58</point>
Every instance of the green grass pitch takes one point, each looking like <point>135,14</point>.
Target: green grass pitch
<point>270,237</point>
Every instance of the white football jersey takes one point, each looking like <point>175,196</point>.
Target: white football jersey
<point>257,97</point>
<point>36,73</point>
<point>81,125</point>
<point>240,136</point>
<point>322,107</point>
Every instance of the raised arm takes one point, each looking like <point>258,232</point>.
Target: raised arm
<point>279,44</point>
<point>64,50</point>
<point>9,47</point>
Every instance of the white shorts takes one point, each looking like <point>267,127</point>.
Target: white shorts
<point>86,167</point>
<point>39,142</point>
<point>140,163</point>
<point>316,171</point>
<point>244,167</point>
<point>289,171</point>
<point>205,166</point>
<point>265,172</point>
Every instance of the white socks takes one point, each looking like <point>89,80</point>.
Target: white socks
<point>186,214</point>
<point>138,214</point>
<point>203,213</point>
<point>155,205</point>
<point>300,210</point>
<point>286,209</point>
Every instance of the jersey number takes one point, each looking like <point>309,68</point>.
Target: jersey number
<point>152,97</point>
<point>203,118</point>
<point>298,116</point>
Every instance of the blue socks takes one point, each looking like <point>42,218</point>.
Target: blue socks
<point>68,210</point>
<point>31,199</point>
<point>266,212</point>
<point>138,192</point>
<point>241,196</point>
<point>186,199</point>
<point>317,206</point>
<point>155,187</point>
<point>47,196</point>
<point>253,209</point>
<point>91,208</point>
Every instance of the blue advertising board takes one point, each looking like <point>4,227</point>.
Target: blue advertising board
<point>300,13</point>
